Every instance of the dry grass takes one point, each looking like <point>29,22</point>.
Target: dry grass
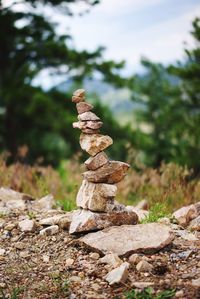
<point>169,185</point>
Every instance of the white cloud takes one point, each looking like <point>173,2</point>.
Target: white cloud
<point>119,7</point>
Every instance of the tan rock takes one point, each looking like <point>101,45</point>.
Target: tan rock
<point>185,214</point>
<point>95,196</point>
<point>93,144</point>
<point>197,206</point>
<point>144,266</point>
<point>45,203</point>
<point>7,194</point>
<point>62,220</point>
<point>111,173</point>
<point>51,230</point>
<point>82,125</point>
<point>142,214</point>
<point>83,107</point>
<point>88,116</point>
<point>118,275</point>
<point>90,131</point>
<point>12,200</point>
<point>128,239</point>
<point>78,96</point>
<point>27,225</point>
<point>111,259</point>
<point>196,282</point>
<point>69,262</point>
<point>97,161</point>
<point>195,224</point>
<point>85,220</point>
<point>79,93</point>
<point>94,256</point>
<point>135,258</point>
<point>77,99</point>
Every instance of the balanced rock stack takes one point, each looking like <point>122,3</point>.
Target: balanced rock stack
<point>95,199</point>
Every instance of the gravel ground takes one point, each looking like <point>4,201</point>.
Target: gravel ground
<point>34,266</point>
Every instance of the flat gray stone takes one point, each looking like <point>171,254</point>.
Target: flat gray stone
<point>88,116</point>
<point>111,173</point>
<point>86,221</point>
<point>128,239</point>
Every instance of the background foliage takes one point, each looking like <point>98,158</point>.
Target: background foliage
<point>167,119</point>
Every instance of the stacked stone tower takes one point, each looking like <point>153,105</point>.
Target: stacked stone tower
<point>95,199</point>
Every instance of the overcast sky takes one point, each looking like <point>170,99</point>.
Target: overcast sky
<point>130,29</point>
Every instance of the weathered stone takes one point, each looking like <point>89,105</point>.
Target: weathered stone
<point>142,214</point>
<point>196,283</point>
<point>85,220</point>
<point>95,196</point>
<point>144,266</point>
<point>62,220</point>
<point>76,99</point>
<point>94,256</point>
<point>27,225</point>
<point>83,107</point>
<point>195,224</point>
<point>128,239</point>
<point>69,262</point>
<point>82,125</point>
<point>2,251</point>
<point>197,206</point>
<point>45,203</point>
<point>93,144</point>
<point>88,116</point>
<point>111,173</point>
<point>111,259</point>
<point>97,161</point>
<point>118,275</point>
<point>51,230</point>
<point>184,234</point>
<point>90,131</point>
<point>7,194</point>
<point>79,93</point>
<point>135,258</point>
<point>185,214</point>
<point>15,205</point>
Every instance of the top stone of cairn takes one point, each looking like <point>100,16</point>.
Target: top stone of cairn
<point>78,96</point>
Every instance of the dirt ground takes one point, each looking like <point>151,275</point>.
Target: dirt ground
<point>34,266</point>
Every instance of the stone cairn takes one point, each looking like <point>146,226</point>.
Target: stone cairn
<point>95,198</point>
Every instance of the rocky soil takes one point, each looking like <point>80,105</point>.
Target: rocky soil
<point>39,259</point>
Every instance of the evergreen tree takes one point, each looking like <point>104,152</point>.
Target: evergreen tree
<point>29,45</point>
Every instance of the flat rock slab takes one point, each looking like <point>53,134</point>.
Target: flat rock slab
<point>86,221</point>
<point>127,239</point>
<point>111,173</point>
<point>83,107</point>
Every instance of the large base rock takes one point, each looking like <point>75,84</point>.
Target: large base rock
<point>111,173</point>
<point>127,239</point>
<point>85,220</point>
<point>95,196</point>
